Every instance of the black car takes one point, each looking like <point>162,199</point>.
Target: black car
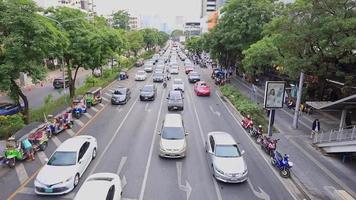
<point>158,77</point>
<point>59,83</point>
<point>148,92</point>
<point>120,96</point>
<point>193,77</point>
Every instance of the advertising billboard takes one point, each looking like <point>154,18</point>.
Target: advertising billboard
<point>274,94</point>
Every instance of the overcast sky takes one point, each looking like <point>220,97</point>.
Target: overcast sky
<point>167,10</point>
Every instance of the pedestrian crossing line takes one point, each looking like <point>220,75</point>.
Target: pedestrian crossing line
<point>28,190</point>
<point>42,156</point>
<point>105,99</point>
<point>70,132</point>
<point>93,108</point>
<point>110,90</point>
<point>21,172</point>
<point>80,123</point>
<point>106,93</point>
<point>100,104</point>
<point>56,141</point>
<point>88,115</point>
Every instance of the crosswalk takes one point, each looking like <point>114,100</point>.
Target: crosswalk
<point>57,140</point>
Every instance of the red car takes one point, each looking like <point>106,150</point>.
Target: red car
<point>201,88</point>
<point>188,69</point>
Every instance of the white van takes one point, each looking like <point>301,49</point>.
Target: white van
<point>173,142</point>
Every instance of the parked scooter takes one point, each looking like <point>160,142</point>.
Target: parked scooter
<point>282,163</point>
<point>269,145</point>
<point>247,122</point>
<point>256,133</point>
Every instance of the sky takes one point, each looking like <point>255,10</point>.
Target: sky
<point>162,10</point>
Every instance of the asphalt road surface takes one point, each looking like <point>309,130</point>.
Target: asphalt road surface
<point>128,145</point>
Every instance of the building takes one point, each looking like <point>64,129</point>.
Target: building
<point>179,22</point>
<point>192,29</point>
<point>134,22</point>
<point>210,12</point>
<point>84,5</point>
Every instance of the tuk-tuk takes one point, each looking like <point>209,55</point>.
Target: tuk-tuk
<point>79,106</point>
<point>57,124</point>
<point>93,96</point>
<point>35,133</point>
<point>123,75</point>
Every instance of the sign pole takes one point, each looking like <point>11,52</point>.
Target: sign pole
<point>299,97</point>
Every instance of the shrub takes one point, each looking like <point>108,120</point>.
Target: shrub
<point>10,124</point>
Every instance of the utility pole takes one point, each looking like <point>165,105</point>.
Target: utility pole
<point>299,97</point>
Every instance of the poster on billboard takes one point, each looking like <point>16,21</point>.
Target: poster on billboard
<point>274,94</point>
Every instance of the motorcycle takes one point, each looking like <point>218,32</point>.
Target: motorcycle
<point>164,84</point>
<point>282,163</point>
<point>247,123</point>
<point>269,145</point>
<point>256,133</point>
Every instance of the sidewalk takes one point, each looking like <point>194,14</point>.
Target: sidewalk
<point>323,177</point>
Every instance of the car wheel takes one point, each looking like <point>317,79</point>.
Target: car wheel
<point>93,154</point>
<point>76,180</point>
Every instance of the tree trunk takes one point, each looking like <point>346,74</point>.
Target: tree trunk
<point>25,111</point>
<point>74,79</point>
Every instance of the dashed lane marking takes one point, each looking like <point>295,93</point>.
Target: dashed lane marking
<point>56,141</point>
<point>21,172</point>
<point>80,123</point>
<point>88,115</point>
<point>95,109</point>
<point>70,132</point>
<point>108,94</point>
<point>105,99</point>
<point>42,156</point>
<point>100,104</point>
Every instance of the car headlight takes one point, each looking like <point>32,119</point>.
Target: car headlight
<point>219,171</point>
<point>245,172</point>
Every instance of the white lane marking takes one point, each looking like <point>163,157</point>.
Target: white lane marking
<point>128,198</point>
<point>324,169</point>
<point>21,172</point>
<point>190,98</point>
<point>260,194</point>
<point>257,149</point>
<point>100,104</point>
<point>108,94</point>
<point>113,138</point>
<point>95,109</point>
<point>88,115</point>
<point>70,132</point>
<point>80,123</point>
<point>119,108</point>
<point>121,165</point>
<point>146,107</point>
<point>42,156</point>
<point>105,99</point>
<point>56,141</point>
<point>123,182</point>
<point>143,187</point>
<point>186,188</point>
<point>110,90</point>
<point>215,112</point>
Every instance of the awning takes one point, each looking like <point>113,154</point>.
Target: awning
<point>347,102</point>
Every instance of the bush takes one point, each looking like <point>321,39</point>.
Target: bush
<point>245,106</point>
<point>10,124</point>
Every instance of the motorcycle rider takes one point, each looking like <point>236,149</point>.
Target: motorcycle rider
<point>28,149</point>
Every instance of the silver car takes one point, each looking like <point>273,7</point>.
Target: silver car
<point>226,158</point>
<point>175,100</point>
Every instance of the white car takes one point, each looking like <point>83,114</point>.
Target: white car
<point>173,142</point>
<point>174,69</point>
<point>67,164</point>
<point>140,75</point>
<point>148,68</point>
<point>102,186</point>
<point>178,84</point>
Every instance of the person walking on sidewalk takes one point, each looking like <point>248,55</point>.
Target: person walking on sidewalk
<point>315,128</point>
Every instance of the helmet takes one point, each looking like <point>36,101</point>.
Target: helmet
<point>248,117</point>
<point>260,126</point>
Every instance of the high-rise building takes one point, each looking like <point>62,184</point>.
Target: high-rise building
<point>179,22</point>
<point>134,22</point>
<point>208,7</point>
<point>192,29</point>
<point>84,5</point>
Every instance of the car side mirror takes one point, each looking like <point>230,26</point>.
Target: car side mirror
<point>186,133</point>
<point>242,152</point>
<point>210,152</point>
<point>46,160</point>
<point>167,97</point>
<point>159,132</point>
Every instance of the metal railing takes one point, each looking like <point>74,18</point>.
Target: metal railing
<point>344,134</point>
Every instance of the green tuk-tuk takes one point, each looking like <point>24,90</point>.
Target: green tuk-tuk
<point>35,132</point>
<point>93,96</point>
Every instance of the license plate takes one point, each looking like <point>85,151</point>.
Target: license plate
<point>48,190</point>
<point>175,107</point>
<point>146,97</point>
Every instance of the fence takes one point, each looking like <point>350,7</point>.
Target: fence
<point>344,134</point>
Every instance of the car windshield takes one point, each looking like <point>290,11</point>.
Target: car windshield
<point>227,151</point>
<point>61,158</point>
<point>140,73</point>
<point>173,133</point>
<point>147,88</point>
<point>178,82</point>
<point>120,92</point>
<point>194,74</point>
<point>158,74</point>
<point>203,85</point>
<point>175,96</point>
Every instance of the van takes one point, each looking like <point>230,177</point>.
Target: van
<point>173,142</point>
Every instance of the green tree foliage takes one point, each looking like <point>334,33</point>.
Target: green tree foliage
<point>150,37</point>
<point>26,39</point>
<point>195,45</point>
<point>121,19</point>
<point>176,34</point>
<point>136,41</point>
<point>162,38</point>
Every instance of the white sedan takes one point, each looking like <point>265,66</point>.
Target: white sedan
<point>178,84</point>
<point>140,75</point>
<point>67,164</point>
<point>102,186</point>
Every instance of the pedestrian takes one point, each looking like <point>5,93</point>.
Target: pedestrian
<point>28,149</point>
<point>315,128</point>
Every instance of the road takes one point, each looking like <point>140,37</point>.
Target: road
<point>128,145</point>
<point>36,96</point>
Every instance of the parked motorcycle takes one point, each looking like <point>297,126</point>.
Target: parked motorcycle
<point>164,84</point>
<point>282,163</point>
<point>247,123</point>
<point>256,133</point>
<point>269,145</point>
